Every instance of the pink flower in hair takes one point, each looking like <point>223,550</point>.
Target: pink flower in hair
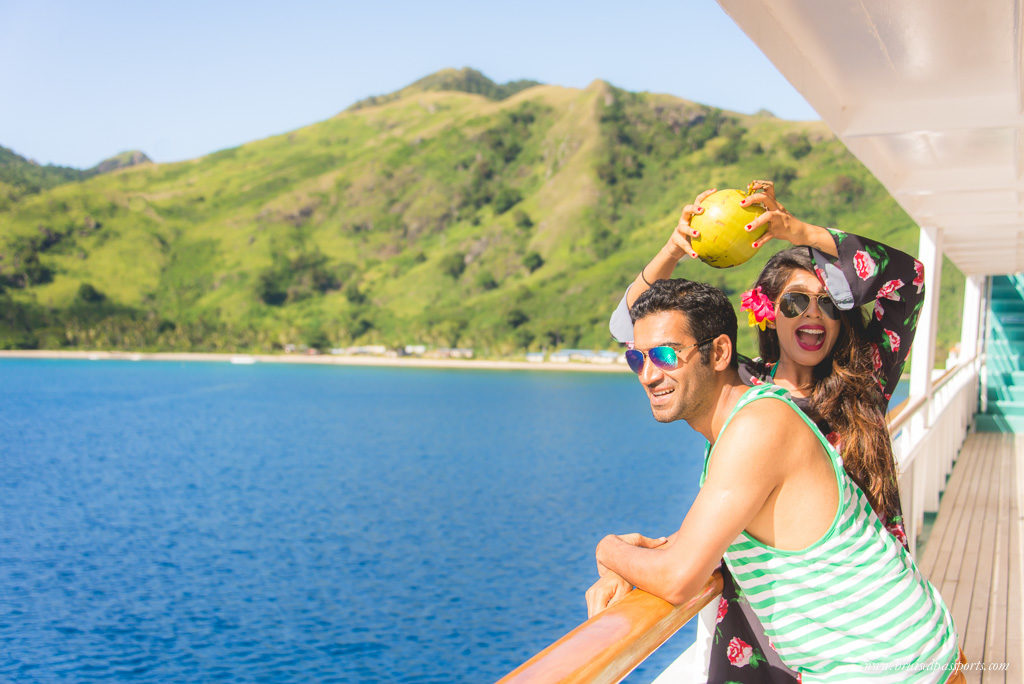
<point>759,308</point>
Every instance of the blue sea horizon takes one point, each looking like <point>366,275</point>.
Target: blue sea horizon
<point>198,521</point>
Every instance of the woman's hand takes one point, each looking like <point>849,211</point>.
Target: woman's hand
<point>606,592</point>
<point>679,242</point>
<point>779,222</point>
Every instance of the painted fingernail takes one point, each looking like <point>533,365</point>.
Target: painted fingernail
<point>747,227</point>
<point>696,233</point>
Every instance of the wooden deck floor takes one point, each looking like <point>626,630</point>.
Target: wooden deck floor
<point>973,554</point>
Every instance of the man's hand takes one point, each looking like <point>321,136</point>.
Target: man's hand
<point>605,592</point>
<point>633,539</point>
<point>637,539</point>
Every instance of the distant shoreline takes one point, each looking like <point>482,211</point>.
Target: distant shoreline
<point>317,359</point>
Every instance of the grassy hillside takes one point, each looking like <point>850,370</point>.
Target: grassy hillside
<point>507,218</point>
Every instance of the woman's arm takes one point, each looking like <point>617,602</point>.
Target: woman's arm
<point>661,266</point>
<point>669,256</point>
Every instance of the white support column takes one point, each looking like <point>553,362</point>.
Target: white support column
<point>971,324</point>
<point>925,495</point>
<point>983,367</point>
<point>930,254</point>
<point>980,284</point>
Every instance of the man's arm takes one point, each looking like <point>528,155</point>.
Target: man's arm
<point>745,469</point>
<point>610,588</point>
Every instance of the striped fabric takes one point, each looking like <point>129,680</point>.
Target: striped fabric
<point>852,606</point>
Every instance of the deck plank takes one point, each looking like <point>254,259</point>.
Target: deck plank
<point>989,615</point>
<point>935,558</point>
<point>974,553</point>
<point>929,559</point>
<point>972,565</point>
<point>986,594</point>
<point>957,585</point>
<point>950,538</point>
<point>1014,613</point>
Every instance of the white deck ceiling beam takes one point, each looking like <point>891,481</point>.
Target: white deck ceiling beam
<point>898,116</point>
<point>962,179</point>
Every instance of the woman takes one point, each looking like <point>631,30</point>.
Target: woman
<point>839,369</point>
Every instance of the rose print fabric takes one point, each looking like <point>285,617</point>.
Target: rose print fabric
<point>892,281</point>
<point>740,650</point>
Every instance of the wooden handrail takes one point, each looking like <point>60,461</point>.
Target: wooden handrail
<point>609,645</point>
<point>902,413</point>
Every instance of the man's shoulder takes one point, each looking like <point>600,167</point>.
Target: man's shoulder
<point>766,404</point>
<point>768,422</point>
<point>757,443</point>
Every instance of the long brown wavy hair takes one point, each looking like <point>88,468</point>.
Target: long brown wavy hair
<point>845,393</point>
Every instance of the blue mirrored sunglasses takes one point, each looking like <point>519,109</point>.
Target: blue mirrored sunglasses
<point>663,357</point>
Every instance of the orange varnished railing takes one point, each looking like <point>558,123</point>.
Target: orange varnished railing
<point>609,645</point>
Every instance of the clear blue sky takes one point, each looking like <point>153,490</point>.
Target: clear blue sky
<point>81,81</point>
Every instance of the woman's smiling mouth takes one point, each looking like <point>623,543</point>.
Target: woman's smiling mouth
<point>810,337</point>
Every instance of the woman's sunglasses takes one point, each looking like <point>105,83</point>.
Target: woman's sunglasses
<point>664,357</point>
<point>792,304</point>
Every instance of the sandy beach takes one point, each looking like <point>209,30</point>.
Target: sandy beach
<point>322,359</point>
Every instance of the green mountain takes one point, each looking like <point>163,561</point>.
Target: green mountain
<point>463,80</point>
<point>119,161</point>
<point>505,220</point>
<point>20,176</point>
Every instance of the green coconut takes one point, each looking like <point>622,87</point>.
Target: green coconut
<point>723,242</point>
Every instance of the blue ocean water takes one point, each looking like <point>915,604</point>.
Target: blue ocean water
<point>208,522</point>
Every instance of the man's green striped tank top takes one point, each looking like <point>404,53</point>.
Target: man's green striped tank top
<point>852,606</point>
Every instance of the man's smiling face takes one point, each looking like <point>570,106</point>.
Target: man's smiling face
<point>675,394</point>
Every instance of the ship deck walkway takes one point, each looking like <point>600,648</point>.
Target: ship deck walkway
<point>973,554</point>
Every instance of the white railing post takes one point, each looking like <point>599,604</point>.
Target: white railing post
<point>926,458</point>
<point>983,374</point>
<point>973,286</point>
<point>925,487</point>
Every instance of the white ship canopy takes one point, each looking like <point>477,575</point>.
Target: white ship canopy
<point>928,94</point>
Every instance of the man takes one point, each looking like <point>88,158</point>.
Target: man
<point>840,599</point>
